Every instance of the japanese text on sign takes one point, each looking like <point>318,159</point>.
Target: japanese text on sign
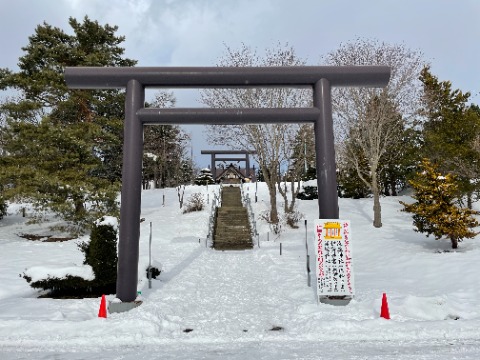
<point>333,258</point>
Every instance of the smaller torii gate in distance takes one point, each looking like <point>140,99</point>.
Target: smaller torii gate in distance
<point>135,79</point>
<point>215,159</point>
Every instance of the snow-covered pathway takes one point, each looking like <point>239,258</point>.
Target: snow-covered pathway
<point>226,293</point>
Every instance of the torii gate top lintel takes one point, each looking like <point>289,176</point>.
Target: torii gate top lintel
<point>227,152</point>
<point>199,77</point>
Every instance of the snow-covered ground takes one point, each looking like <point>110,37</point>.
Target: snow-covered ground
<point>223,305</point>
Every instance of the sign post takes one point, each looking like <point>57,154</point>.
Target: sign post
<point>333,261</point>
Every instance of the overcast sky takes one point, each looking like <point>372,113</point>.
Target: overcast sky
<point>194,32</point>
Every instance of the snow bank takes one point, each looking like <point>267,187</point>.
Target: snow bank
<point>37,273</point>
<point>107,220</point>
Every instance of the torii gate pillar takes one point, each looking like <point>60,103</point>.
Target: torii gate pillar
<point>325,152</point>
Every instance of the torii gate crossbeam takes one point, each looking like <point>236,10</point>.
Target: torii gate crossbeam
<point>136,79</point>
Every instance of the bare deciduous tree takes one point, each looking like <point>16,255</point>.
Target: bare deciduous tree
<point>370,121</point>
<point>270,141</point>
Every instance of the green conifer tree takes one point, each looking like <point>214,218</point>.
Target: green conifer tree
<point>204,178</point>
<point>186,172</point>
<point>450,132</point>
<point>63,148</point>
<point>435,212</point>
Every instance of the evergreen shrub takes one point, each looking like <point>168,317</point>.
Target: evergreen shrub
<point>435,211</point>
<point>101,254</point>
<point>308,193</point>
<point>204,178</point>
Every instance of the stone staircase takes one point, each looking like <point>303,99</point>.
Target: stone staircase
<point>232,230</point>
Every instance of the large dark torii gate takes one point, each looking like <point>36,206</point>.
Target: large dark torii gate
<point>136,79</point>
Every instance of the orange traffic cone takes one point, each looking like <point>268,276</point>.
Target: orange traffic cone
<point>384,313</point>
<point>102,312</point>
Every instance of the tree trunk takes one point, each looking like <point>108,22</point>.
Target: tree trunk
<point>393,188</point>
<point>288,204</point>
<point>377,209</point>
<point>294,188</point>
<point>273,202</point>
<point>79,208</point>
<point>454,242</point>
<point>269,175</point>
<point>282,189</point>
